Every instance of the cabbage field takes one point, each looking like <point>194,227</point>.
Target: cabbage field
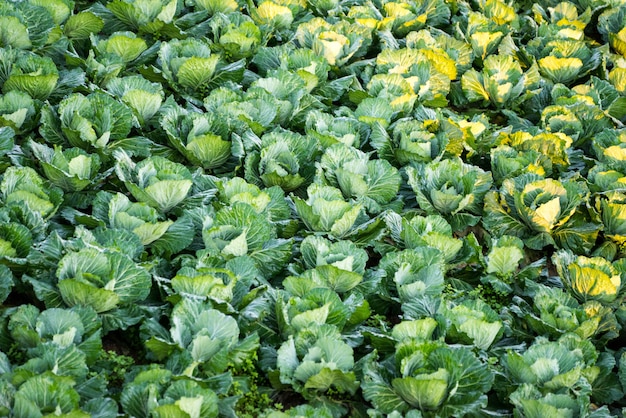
<point>312,208</point>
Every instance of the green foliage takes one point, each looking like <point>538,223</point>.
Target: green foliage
<point>321,208</point>
<point>248,386</point>
<point>452,189</point>
<point>115,367</point>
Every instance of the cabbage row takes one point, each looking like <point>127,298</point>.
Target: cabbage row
<point>316,208</point>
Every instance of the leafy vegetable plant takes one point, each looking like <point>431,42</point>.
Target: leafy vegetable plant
<point>321,208</point>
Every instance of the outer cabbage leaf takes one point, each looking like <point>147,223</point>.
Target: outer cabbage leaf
<point>612,209</point>
<point>338,43</point>
<point>156,181</point>
<point>562,60</point>
<point>204,341</point>
<point>318,251</point>
<point>285,159</point>
<point>414,277</point>
<point>23,185</point>
<point>94,120</point>
<point>81,25</point>
<point>154,393</point>
<point>72,169</point>
<point>432,231</point>
<point>325,210</point>
<point>142,96</point>
<point>119,47</point>
<point>552,367</point>
<point>40,19</point>
<point>611,26</point>
<point>191,69</point>
<point>553,146</point>
<point>16,242</point>
<point>14,33</point>
<point>151,16</point>
<point>609,147</point>
<point>554,313</point>
<point>270,201</point>
<point>216,6</point>
<point>238,230</point>
<point>329,130</point>
<point>47,392</point>
<point>272,15</point>
<point>373,182</point>
<point>404,17</point>
<point>235,35</point>
<point>474,322</point>
<point>17,111</point>
<point>501,82</point>
<point>37,76</point>
<point>6,282</point>
<point>507,163</point>
<point>324,364</point>
<point>374,111</point>
<point>451,188</point>
<point>202,138</point>
<point>212,283</point>
<point>59,10</point>
<point>541,212</point>
<point>101,280</point>
<point>429,376</point>
<point>587,278</point>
